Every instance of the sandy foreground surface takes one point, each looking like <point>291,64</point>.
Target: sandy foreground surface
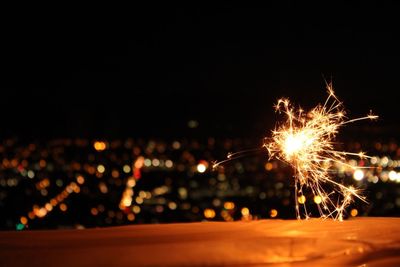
<point>355,242</point>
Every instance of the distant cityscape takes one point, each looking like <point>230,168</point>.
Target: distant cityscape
<point>79,183</point>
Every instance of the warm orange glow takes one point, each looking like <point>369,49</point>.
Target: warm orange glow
<point>245,211</point>
<point>99,145</point>
<point>103,188</point>
<point>115,173</point>
<point>131,182</point>
<point>94,211</point>
<point>131,217</point>
<point>48,207</point>
<point>354,212</point>
<point>53,202</point>
<point>229,205</point>
<point>31,215</point>
<point>273,213</point>
<point>41,212</point>
<point>209,213</point>
<point>23,220</point>
<point>139,200</point>
<point>136,209</point>
<point>63,207</point>
<point>42,163</point>
<point>43,184</point>
<point>139,162</point>
<point>268,166</point>
<point>80,179</point>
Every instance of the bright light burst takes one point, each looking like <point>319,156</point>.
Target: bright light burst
<point>306,142</point>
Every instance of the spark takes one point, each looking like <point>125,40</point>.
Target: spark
<point>305,141</point>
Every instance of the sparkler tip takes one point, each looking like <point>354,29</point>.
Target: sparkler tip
<point>372,116</point>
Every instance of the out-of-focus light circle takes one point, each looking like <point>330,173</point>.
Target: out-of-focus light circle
<point>172,205</point>
<point>268,166</point>
<point>392,176</point>
<point>245,211</point>
<point>136,209</point>
<point>169,163</point>
<point>273,213</point>
<point>358,175</point>
<point>94,211</point>
<point>156,162</point>
<point>80,179</point>
<point>301,199</point>
<point>63,207</point>
<point>201,167</point>
<point>139,200</point>
<point>131,217</point>
<point>31,174</point>
<point>374,160</point>
<point>24,220</point>
<point>126,168</point>
<point>176,145</point>
<point>147,162</point>
<point>317,199</point>
<point>139,162</point>
<point>229,205</point>
<point>209,213</point>
<point>384,161</point>
<point>101,168</point>
<point>131,182</point>
<point>354,212</point>
<point>48,207</point>
<point>99,145</point>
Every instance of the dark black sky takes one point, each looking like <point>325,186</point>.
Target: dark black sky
<point>147,71</point>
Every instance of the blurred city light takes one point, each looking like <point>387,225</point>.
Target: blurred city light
<point>99,145</point>
<point>158,181</point>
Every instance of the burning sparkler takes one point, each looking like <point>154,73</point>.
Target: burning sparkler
<point>306,142</point>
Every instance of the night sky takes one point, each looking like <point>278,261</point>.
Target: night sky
<point>147,71</point>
